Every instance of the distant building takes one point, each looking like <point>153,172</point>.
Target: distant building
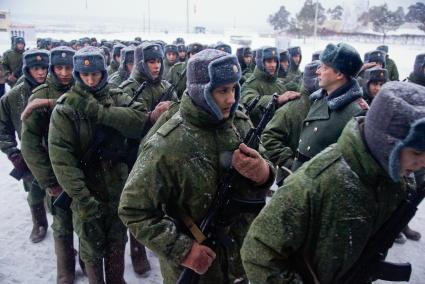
<point>5,21</point>
<point>199,30</point>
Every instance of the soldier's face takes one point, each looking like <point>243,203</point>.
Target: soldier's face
<point>38,73</point>
<point>247,59</point>
<point>91,79</point>
<point>284,64</point>
<point>297,59</point>
<point>117,59</point>
<point>328,77</point>
<point>129,67</point>
<point>411,160</point>
<point>182,54</point>
<point>224,97</point>
<point>63,73</point>
<point>154,66</point>
<point>270,65</point>
<point>20,46</point>
<point>171,56</point>
<point>374,88</point>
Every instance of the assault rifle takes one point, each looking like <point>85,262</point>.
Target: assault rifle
<point>252,105</point>
<point>224,195</point>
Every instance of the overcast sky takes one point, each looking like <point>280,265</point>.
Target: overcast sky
<point>202,12</point>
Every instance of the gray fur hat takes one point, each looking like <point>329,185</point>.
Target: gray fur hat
<point>61,55</point>
<point>383,48</point>
<point>375,74</point>
<point>127,54</point>
<point>90,59</point>
<point>316,55</point>
<point>34,58</point>
<point>171,48</point>
<point>342,57</point>
<point>264,53</point>
<point>395,120</point>
<point>145,52</point>
<point>207,70</point>
<point>181,48</point>
<point>310,81</point>
<point>419,64</point>
<point>116,50</point>
<point>224,47</point>
<point>377,56</point>
<point>194,48</point>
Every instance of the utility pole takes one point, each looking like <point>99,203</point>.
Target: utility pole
<point>315,19</point>
<point>187,16</point>
<point>149,16</point>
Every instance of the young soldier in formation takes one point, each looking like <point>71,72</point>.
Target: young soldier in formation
<point>125,69</point>
<point>390,64</point>
<point>338,100</point>
<point>244,55</point>
<point>87,149</point>
<point>35,64</point>
<point>320,221</point>
<point>373,79</point>
<point>171,57</point>
<point>12,61</point>
<point>116,58</point>
<point>158,194</point>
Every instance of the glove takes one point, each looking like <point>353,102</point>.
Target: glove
<point>250,164</point>
<point>54,190</point>
<point>89,209</point>
<point>91,108</point>
<point>19,163</point>
<point>199,258</point>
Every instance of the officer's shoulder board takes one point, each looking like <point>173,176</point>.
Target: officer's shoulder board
<point>169,126</point>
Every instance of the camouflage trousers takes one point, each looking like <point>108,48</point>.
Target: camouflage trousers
<point>35,193</point>
<point>62,220</point>
<point>97,234</point>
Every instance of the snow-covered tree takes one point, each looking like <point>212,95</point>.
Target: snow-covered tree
<point>305,18</point>
<point>336,13</point>
<point>279,20</point>
<point>416,14</point>
<point>383,20</point>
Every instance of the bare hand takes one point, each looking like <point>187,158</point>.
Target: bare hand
<point>250,164</point>
<point>199,259</point>
<point>11,78</point>
<point>159,109</point>
<point>287,96</point>
<point>369,65</point>
<point>55,190</point>
<point>34,104</point>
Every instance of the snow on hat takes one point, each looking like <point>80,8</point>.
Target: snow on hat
<point>343,58</point>
<point>171,48</point>
<point>374,74</point>
<point>207,70</point>
<point>34,58</point>
<point>90,59</point>
<point>264,53</point>
<point>396,120</point>
<point>145,52</point>
<point>61,55</point>
<point>377,56</point>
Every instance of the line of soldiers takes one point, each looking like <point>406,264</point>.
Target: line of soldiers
<point>113,140</point>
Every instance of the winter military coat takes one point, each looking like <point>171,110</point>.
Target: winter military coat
<point>327,117</point>
<point>414,78</point>
<point>84,172</point>
<point>392,69</point>
<point>175,77</point>
<point>35,131</point>
<point>176,174</point>
<point>113,67</point>
<point>167,66</point>
<point>12,63</point>
<point>263,84</point>
<point>325,213</point>
<point>281,136</point>
<point>11,106</point>
<point>118,77</point>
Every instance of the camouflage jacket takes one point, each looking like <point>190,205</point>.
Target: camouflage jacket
<point>12,62</point>
<point>392,69</point>
<point>261,84</point>
<point>174,75</point>
<point>35,131</point>
<point>100,173</point>
<point>325,213</point>
<point>118,77</point>
<point>160,187</point>
<point>11,106</point>
<point>113,67</point>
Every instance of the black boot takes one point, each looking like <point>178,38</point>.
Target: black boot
<point>65,260</point>
<point>411,234</point>
<point>114,264</point>
<point>95,273</point>
<point>138,256</point>
<point>39,221</point>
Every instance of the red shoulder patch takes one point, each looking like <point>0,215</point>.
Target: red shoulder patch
<point>363,104</point>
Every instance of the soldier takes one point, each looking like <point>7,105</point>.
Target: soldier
<point>2,79</point>
<point>35,64</point>
<point>182,52</point>
<point>34,148</point>
<point>12,61</point>
<point>316,55</point>
<point>244,55</point>
<point>390,64</point>
<point>206,128</point>
<point>373,79</point>
<point>125,69</point>
<point>87,143</point>
<point>375,58</point>
<point>107,53</point>
<point>176,75</point>
<point>263,82</point>
<point>325,214</point>
<point>281,136</point>
<point>338,100</point>
<point>171,55</point>
<point>418,74</point>
<point>295,58</point>
<point>116,58</point>
<point>283,64</point>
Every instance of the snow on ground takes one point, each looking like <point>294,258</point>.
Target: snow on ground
<point>24,262</point>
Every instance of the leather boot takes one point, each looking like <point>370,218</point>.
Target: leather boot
<point>400,239</point>
<point>95,273</point>
<point>65,260</point>
<point>39,221</point>
<point>138,256</point>
<point>411,234</point>
<point>114,264</point>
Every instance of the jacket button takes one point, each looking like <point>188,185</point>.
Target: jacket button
<point>307,123</point>
<point>300,141</point>
<point>308,148</point>
<point>315,129</point>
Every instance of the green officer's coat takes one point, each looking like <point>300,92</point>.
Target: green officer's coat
<point>325,213</point>
<point>178,171</point>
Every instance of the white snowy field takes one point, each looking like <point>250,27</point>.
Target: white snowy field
<point>24,262</point>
